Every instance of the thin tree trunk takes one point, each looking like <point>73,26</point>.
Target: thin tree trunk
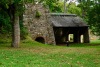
<point>16,32</point>
<point>64,6</point>
<point>14,17</point>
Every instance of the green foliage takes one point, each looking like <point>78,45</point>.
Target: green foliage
<point>9,8</point>
<point>94,19</point>
<point>91,13</point>
<point>54,5</point>
<point>73,9</point>
<point>5,25</point>
<point>37,14</point>
<point>23,31</point>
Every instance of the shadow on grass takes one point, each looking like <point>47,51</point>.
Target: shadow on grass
<point>5,43</point>
<point>28,43</point>
<point>92,43</point>
<point>85,44</point>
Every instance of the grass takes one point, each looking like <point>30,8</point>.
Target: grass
<point>33,54</point>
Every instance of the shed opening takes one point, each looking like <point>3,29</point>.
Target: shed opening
<point>71,38</point>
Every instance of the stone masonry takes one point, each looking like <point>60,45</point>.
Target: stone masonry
<point>38,27</point>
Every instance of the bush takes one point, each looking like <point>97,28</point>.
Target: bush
<point>37,14</point>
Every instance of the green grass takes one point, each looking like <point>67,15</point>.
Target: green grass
<point>33,54</point>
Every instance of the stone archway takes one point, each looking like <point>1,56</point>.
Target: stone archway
<point>40,39</point>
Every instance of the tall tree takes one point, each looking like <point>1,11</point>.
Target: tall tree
<point>54,5</point>
<point>73,9</point>
<point>85,6</point>
<point>14,9</point>
<point>94,17</point>
<point>90,11</point>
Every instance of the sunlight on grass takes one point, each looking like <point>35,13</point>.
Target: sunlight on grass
<point>34,54</point>
<point>95,41</point>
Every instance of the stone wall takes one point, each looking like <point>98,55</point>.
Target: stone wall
<point>38,27</point>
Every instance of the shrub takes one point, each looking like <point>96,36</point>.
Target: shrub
<point>37,14</point>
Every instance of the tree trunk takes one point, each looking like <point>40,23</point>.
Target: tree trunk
<point>64,6</point>
<point>16,32</point>
<point>14,18</point>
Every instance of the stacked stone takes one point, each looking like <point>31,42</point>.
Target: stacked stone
<point>38,27</point>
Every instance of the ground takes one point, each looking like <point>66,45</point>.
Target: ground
<point>33,54</point>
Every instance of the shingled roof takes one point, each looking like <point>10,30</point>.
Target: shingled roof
<point>66,20</point>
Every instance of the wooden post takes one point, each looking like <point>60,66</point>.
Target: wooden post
<point>86,36</point>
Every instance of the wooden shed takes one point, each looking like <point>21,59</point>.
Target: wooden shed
<point>69,27</point>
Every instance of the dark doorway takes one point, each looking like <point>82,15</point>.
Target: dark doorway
<point>40,39</point>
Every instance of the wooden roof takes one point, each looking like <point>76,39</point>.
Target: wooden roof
<point>66,20</point>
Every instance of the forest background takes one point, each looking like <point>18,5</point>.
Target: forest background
<point>11,11</point>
